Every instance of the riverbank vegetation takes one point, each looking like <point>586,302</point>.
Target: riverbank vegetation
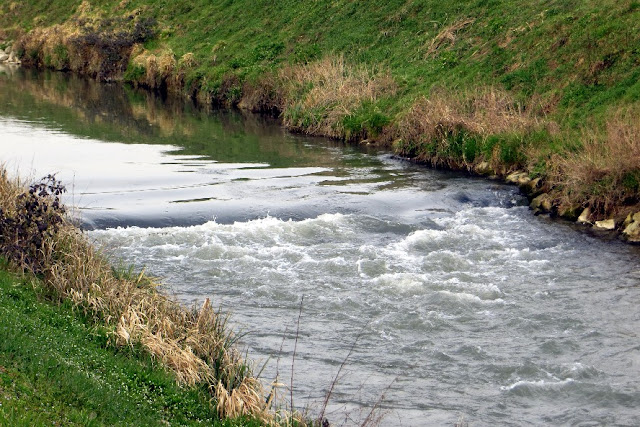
<point>124,313</point>
<point>56,368</point>
<point>549,88</point>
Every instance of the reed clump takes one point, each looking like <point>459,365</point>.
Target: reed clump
<point>332,98</point>
<point>458,131</point>
<point>196,345</point>
<point>603,172</point>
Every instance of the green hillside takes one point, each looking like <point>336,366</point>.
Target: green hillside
<point>551,87</point>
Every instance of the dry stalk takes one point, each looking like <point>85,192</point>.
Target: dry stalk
<point>447,35</point>
<point>295,348</point>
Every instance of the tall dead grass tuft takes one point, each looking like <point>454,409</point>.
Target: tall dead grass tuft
<point>320,95</point>
<point>604,174</point>
<point>158,69</point>
<point>435,129</point>
<point>195,345</point>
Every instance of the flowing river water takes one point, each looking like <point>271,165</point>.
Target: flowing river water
<point>440,293</point>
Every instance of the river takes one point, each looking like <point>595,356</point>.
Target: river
<point>442,296</point>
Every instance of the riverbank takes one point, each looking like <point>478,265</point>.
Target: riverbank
<point>549,90</point>
<point>122,312</point>
<point>56,367</point>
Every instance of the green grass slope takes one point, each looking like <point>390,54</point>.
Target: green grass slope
<point>56,369</point>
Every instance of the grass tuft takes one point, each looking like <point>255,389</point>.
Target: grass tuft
<point>604,174</point>
<point>446,130</point>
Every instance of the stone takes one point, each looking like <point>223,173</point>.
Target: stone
<point>607,224</point>
<point>512,178</point>
<point>483,168</point>
<point>7,49</point>
<point>532,187</point>
<point>542,203</point>
<point>4,57</point>
<point>519,177</point>
<point>631,226</point>
<point>584,216</point>
<point>632,232</point>
<point>570,212</point>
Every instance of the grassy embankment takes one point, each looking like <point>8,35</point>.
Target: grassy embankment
<point>550,88</point>
<point>92,354</point>
<point>56,368</point>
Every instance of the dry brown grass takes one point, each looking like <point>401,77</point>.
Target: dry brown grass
<point>159,67</point>
<point>485,111</point>
<point>447,35</point>
<point>604,174</point>
<point>317,96</point>
<point>195,345</point>
<point>438,119</point>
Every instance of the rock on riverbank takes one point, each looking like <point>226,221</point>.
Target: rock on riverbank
<point>542,202</point>
<point>8,55</point>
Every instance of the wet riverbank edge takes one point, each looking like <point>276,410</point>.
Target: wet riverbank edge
<point>481,91</point>
<point>94,316</point>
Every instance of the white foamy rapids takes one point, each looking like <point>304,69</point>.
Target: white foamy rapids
<point>451,266</point>
<point>540,386</point>
<point>456,282</point>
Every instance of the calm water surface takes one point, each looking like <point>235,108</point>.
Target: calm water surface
<point>461,303</point>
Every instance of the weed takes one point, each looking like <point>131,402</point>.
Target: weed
<point>604,174</point>
<point>28,224</point>
<point>457,132</point>
<point>335,99</point>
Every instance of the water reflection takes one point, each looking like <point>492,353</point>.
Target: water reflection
<point>114,112</point>
<point>169,162</point>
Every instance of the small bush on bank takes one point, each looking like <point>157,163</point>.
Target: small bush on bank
<point>27,225</point>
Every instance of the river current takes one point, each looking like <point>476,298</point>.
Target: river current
<point>443,298</point>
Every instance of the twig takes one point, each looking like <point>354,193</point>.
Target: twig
<point>272,397</point>
<point>370,418</point>
<point>295,347</point>
<point>335,378</point>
